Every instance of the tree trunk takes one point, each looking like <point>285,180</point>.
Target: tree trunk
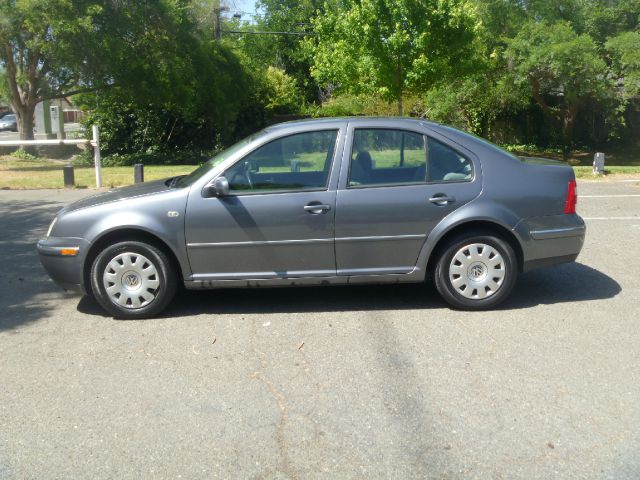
<point>25,113</point>
<point>568,122</point>
<point>399,87</point>
<point>23,96</point>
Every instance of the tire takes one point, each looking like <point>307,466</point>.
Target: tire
<point>128,289</point>
<point>476,271</point>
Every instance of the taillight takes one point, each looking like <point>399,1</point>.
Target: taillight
<point>572,198</point>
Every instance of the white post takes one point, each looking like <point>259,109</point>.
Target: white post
<point>598,163</point>
<point>96,156</point>
<point>61,134</point>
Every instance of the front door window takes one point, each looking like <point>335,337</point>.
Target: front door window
<point>299,162</point>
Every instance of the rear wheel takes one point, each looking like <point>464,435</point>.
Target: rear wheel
<point>133,280</point>
<point>476,272</point>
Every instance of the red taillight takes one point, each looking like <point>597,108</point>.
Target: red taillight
<point>572,198</point>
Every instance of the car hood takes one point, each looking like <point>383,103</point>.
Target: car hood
<point>117,194</point>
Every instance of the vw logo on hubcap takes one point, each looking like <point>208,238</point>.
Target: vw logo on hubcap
<point>131,280</point>
<point>477,271</point>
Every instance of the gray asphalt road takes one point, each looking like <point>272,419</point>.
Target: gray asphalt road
<point>356,382</point>
<point>6,135</point>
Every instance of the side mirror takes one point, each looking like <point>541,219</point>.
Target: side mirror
<point>220,187</point>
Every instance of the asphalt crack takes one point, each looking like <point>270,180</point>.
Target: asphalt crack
<point>283,464</point>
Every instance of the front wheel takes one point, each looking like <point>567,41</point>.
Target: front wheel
<point>133,280</point>
<point>476,272</point>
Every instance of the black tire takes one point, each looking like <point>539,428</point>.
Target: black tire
<point>163,273</point>
<point>458,298</point>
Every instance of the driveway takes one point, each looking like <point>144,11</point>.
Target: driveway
<point>334,382</point>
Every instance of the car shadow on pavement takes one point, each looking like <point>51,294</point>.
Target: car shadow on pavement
<point>566,283</point>
<point>26,287</point>
<point>562,284</point>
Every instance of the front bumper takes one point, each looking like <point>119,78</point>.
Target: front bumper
<point>64,268</point>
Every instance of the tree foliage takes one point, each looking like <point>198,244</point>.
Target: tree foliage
<point>283,50</point>
<point>154,76</point>
<point>55,48</point>
<point>626,53</point>
<point>390,48</point>
<point>149,74</point>
<point>563,70</point>
<point>556,71</point>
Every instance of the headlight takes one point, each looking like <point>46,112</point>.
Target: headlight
<point>51,226</point>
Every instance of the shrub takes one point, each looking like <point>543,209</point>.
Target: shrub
<point>281,92</point>
<point>185,157</point>
<point>22,154</point>
<point>84,159</point>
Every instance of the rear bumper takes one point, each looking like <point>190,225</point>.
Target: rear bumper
<point>551,240</point>
<point>64,270</point>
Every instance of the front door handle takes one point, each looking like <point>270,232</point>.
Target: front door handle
<point>317,208</point>
<point>442,199</point>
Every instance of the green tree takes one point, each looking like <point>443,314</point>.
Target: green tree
<point>292,20</point>
<point>391,48</point>
<point>626,52</point>
<point>210,107</point>
<point>562,70</point>
<point>281,92</point>
<point>56,48</point>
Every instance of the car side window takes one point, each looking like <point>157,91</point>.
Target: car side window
<point>297,162</point>
<point>447,165</point>
<point>387,157</point>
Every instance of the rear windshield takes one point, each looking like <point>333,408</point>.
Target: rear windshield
<point>486,143</point>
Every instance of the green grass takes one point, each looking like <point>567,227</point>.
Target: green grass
<point>619,157</point>
<point>585,172</point>
<point>25,173</point>
<point>18,173</point>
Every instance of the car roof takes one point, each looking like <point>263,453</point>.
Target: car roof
<point>356,120</point>
<point>449,132</point>
<point>393,121</point>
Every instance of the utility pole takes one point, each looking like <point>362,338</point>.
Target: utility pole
<point>217,30</point>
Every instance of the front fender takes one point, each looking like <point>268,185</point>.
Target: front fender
<point>162,216</point>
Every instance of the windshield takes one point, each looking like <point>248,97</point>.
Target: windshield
<point>215,161</point>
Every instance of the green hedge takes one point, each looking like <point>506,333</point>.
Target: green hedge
<point>186,157</point>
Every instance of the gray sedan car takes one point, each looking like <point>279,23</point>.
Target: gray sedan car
<point>324,202</point>
<point>9,122</point>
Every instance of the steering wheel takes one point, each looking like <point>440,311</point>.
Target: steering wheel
<point>247,174</point>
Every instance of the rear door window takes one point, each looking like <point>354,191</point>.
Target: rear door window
<point>446,164</point>
<point>387,157</point>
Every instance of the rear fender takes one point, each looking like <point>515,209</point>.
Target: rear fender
<point>480,210</point>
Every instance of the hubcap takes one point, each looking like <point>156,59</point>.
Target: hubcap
<point>131,280</point>
<point>477,271</point>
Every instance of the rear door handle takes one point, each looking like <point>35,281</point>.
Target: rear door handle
<point>441,199</point>
<point>317,208</point>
